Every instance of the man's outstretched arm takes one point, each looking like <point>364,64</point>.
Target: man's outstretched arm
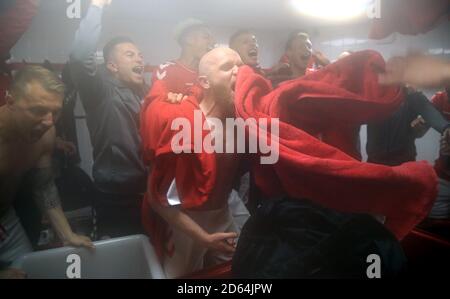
<point>219,241</point>
<point>46,196</point>
<point>418,71</point>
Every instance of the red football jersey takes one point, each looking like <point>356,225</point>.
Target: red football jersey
<point>177,77</point>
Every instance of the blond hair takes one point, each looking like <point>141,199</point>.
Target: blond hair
<point>46,78</point>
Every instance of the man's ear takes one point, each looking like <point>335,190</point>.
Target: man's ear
<point>9,100</point>
<point>204,82</point>
<point>112,67</point>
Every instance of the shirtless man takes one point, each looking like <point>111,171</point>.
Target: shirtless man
<point>27,138</point>
<point>199,235</point>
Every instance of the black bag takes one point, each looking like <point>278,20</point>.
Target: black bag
<point>294,238</point>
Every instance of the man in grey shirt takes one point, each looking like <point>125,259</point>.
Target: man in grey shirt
<point>111,95</point>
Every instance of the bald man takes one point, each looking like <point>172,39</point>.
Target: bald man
<point>200,231</point>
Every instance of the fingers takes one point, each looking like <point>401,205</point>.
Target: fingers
<point>12,273</point>
<point>86,242</point>
<point>227,248</point>
<point>445,146</point>
<point>175,98</point>
<point>418,122</point>
<point>19,274</point>
<point>224,236</point>
<point>80,241</point>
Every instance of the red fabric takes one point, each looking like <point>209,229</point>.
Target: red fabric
<point>14,22</point>
<point>344,93</point>
<point>195,174</point>
<point>177,78</point>
<point>441,101</point>
<point>408,17</point>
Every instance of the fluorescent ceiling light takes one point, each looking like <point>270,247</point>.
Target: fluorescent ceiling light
<point>338,10</point>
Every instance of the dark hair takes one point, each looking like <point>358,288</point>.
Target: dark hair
<point>46,78</point>
<point>108,49</point>
<point>238,34</point>
<point>183,35</point>
<point>293,35</point>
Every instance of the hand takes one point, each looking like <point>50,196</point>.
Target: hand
<point>417,70</point>
<point>79,241</point>
<point>175,98</point>
<point>12,273</point>
<point>321,58</point>
<point>222,242</point>
<point>65,146</point>
<point>445,143</point>
<point>280,67</point>
<point>101,3</point>
<point>419,127</point>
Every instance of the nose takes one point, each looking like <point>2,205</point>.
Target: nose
<point>48,120</point>
<point>235,69</point>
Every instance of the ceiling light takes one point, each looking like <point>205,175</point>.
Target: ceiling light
<point>332,9</point>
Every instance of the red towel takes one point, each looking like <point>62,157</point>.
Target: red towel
<point>342,95</point>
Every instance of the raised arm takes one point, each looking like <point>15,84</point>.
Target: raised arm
<point>417,70</point>
<point>82,57</point>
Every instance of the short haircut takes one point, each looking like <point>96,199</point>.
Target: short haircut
<point>238,34</point>
<point>46,78</point>
<point>294,35</point>
<point>108,49</point>
<point>183,29</point>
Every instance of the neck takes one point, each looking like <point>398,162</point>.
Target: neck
<point>213,108</point>
<point>189,60</point>
<point>7,131</point>
<point>297,72</point>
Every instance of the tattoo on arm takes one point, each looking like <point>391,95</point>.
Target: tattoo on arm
<point>45,192</point>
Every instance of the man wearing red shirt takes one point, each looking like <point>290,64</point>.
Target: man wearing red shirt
<point>186,210</point>
<point>195,40</point>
